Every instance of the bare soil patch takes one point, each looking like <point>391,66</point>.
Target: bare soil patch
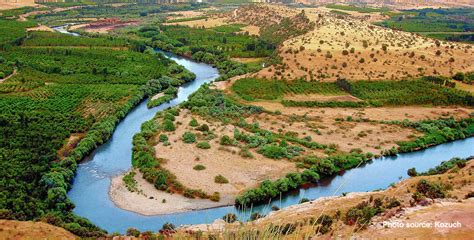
<point>12,229</point>
<point>41,28</point>
<point>412,113</point>
<point>10,4</point>
<point>104,25</point>
<point>150,201</point>
<point>327,129</point>
<point>241,172</point>
<point>70,144</point>
<point>251,29</point>
<point>352,48</point>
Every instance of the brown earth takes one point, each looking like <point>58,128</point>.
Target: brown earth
<point>241,172</point>
<point>12,230</point>
<point>149,201</point>
<point>327,129</point>
<point>70,144</point>
<point>412,113</point>
<point>378,53</point>
<point>41,28</point>
<point>12,4</point>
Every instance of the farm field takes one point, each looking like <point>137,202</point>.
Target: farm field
<point>58,90</point>
<point>234,119</point>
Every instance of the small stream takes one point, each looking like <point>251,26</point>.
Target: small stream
<point>91,184</point>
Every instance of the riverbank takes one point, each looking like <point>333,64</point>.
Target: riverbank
<point>150,201</point>
<point>455,207</point>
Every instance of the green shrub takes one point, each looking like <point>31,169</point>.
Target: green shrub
<point>445,166</point>
<point>189,137</point>
<point>245,153</point>
<point>225,140</point>
<point>203,145</point>
<point>412,172</point>
<point>168,125</point>
<point>199,167</point>
<point>168,227</point>
<point>220,179</point>
<point>203,128</point>
<point>163,138</point>
<point>360,214</point>
<point>193,123</point>
<point>133,232</point>
<point>431,189</point>
<point>215,197</point>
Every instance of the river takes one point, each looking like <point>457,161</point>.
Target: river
<point>91,184</point>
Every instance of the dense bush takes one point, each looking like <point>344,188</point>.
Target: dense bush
<point>361,214</point>
<point>211,103</point>
<point>436,132</point>
<point>431,189</point>
<point>445,166</point>
<point>220,179</point>
<point>316,167</point>
<point>199,167</point>
<point>203,145</point>
<point>189,137</point>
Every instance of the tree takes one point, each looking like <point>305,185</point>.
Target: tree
<point>412,172</point>
<point>459,76</point>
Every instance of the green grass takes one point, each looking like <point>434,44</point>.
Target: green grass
<point>432,20</point>
<point>467,38</point>
<point>253,89</point>
<point>11,30</point>
<point>186,19</point>
<point>407,92</point>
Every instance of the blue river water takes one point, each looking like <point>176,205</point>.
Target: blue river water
<point>91,184</point>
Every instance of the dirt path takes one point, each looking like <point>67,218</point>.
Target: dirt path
<point>9,76</point>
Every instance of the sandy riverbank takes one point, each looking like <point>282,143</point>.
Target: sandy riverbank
<point>150,201</point>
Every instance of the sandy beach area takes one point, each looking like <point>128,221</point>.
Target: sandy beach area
<point>150,200</point>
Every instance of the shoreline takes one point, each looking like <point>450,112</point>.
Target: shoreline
<point>149,201</point>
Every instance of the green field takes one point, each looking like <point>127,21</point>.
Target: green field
<point>63,85</point>
<point>373,93</point>
<point>436,23</point>
<point>254,89</point>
